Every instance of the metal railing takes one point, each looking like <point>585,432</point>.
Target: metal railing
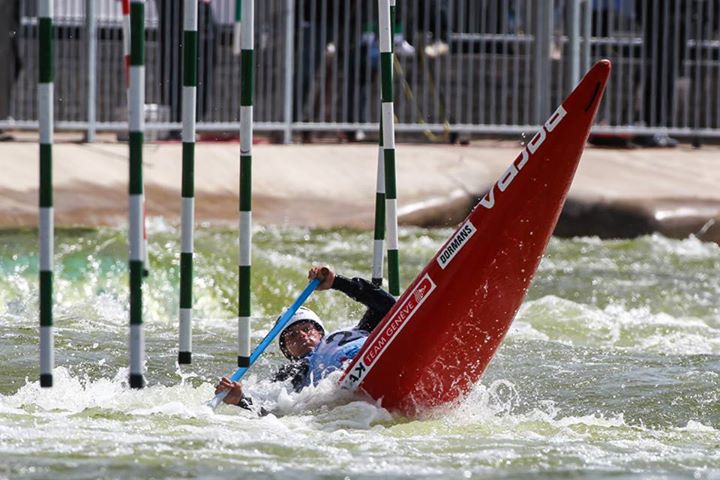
<point>463,66</point>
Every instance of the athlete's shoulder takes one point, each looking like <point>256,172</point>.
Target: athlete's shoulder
<point>345,335</point>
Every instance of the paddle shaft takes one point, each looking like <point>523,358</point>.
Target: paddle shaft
<point>274,332</point>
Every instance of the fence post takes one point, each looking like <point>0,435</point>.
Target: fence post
<point>587,35</point>
<point>543,39</point>
<point>289,69</point>
<point>91,52</point>
<point>574,43</point>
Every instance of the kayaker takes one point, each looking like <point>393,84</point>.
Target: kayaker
<point>312,353</point>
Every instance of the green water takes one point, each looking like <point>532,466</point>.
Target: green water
<point>611,369</point>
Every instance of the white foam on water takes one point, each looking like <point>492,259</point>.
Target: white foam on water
<point>322,429</point>
<point>330,406</point>
<point>694,426</point>
<point>98,422</point>
<point>157,225</point>
<point>73,394</point>
<point>555,319</point>
<point>503,435</point>
<point>691,247</point>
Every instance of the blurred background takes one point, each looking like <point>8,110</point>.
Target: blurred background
<point>464,68</point>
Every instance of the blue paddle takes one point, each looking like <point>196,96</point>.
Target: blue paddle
<point>284,319</point>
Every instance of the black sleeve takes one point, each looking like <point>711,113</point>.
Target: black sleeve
<point>295,372</point>
<point>247,404</point>
<point>378,301</point>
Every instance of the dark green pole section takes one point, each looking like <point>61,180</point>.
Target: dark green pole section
<point>135,190</point>
<point>45,50</point>
<point>247,73</point>
<point>46,224</point>
<point>246,185</point>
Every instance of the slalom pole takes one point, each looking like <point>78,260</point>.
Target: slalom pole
<point>126,29</point>
<point>46,228</point>
<point>126,40</point>
<point>247,74</point>
<point>135,190</point>
<point>237,28</point>
<point>279,325</point>
<point>379,234</point>
<point>387,16</point>
<point>190,80</point>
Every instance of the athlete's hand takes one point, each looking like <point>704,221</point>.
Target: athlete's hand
<point>325,274</point>
<point>234,389</point>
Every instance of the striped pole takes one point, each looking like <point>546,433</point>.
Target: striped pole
<point>379,237</point>
<point>387,17</point>
<point>247,73</point>
<point>126,40</point>
<point>135,202</point>
<point>126,57</point>
<point>237,37</point>
<point>45,110</point>
<point>190,79</point>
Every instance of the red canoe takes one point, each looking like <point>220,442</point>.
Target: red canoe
<point>435,343</point>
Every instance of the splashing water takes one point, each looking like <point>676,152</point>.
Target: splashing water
<point>612,367</point>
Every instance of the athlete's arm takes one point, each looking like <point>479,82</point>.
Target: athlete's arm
<point>377,300</point>
<point>235,394</point>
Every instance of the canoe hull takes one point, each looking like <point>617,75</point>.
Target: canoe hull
<point>435,343</point>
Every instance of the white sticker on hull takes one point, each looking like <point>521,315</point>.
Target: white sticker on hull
<point>459,240</point>
<point>390,330</point>
<point>488,201</point>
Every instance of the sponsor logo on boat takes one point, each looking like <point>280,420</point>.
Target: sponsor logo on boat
<point>452,248</point>
<point>488,201</point>
<point>400,318</point>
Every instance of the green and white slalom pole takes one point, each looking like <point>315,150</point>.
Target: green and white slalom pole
<point>189,108</point>
<point>387,16</point>
<point>237,28</point>
<point>135,202</point>
<point>379,234</point>
<point>126,28</point>
<point>247,73</point>
<point>46,229</point>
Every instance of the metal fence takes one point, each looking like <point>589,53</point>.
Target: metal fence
<point>472,66</point>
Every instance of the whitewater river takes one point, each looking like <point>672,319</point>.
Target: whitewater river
<point>611,368</point>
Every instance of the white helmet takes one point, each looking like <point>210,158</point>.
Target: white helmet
<point>303,314</point>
